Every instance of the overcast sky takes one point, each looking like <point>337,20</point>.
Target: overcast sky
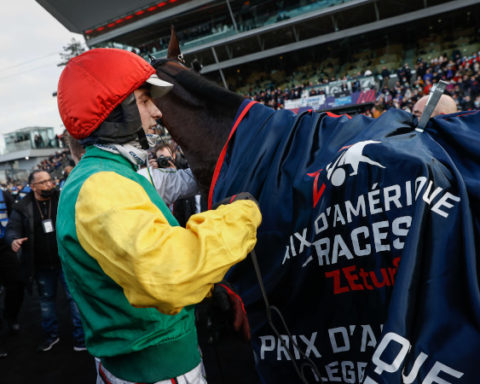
<point>30,42</point>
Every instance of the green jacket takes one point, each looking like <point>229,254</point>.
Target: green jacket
<point>134,273</point>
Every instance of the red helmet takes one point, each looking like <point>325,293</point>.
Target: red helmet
<point>95,82</point>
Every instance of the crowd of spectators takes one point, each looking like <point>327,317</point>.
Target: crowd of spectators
<point>401,87</point>
<point>54,164</point>
<point>462,73</point>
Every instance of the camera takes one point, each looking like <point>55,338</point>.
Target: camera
<point>164,161</point>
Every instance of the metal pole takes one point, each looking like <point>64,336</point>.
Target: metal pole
<point>231,15</point>
<point>334,22</point>
<point>432,102</point>
<point>220,69</point>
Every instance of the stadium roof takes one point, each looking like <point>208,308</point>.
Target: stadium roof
<point>142,22</point>
<point>81,16</point>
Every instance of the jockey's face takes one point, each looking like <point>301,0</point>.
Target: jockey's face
<point>149,113</point>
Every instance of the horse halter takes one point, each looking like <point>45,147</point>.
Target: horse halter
<point>157,63</point>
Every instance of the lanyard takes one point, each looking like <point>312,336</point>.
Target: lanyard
<point>49,209</point>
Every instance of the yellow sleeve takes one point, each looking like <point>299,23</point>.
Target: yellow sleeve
<point>158,265</point>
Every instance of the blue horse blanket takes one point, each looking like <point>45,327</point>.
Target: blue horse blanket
<point>369,244</point>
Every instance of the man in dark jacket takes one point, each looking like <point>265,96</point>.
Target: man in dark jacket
<point>31,229</point>
<point>10,276</point>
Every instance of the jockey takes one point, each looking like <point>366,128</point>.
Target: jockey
<point>133,272</point>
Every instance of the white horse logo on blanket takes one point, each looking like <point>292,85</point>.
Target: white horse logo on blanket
<point>353,156</point>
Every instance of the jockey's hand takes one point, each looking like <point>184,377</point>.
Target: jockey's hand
<point>238,196</point>
<point>229,301</point>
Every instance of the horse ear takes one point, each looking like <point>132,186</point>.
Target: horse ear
<point>173,46</point>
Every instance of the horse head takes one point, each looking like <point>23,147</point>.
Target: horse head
<point>198,113</point>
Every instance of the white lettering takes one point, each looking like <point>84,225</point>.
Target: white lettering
<point>368,338</point>
<point>359,251</point>
<point>419,184</point>
<point>399,231</point>
<point>303,240</point>
<point>324,222</point>
<point>264,347</point>
<point>379,236</point>
<point>395,197</point>
<point>429,199</point>
<point>381,365</point>
<point>359,209</point>
<point>432,376</point>
<point>348,371</point>
<point>374,202</point>
<point>322,247</point>
<point>443,202</point>
<point>292,247</point>
<point>310,345</point>
<point>287,255</point>
<point>337,216</point>
<point>340,249</point>
<point>332,369</point>
<point>408,192</point>
<point>344,340</point>
<point>410,378</point>
<point>282,349</point>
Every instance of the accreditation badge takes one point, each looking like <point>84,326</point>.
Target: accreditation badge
<point>47,226</point>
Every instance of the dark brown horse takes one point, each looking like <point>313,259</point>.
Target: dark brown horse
<point>197,113</point>
<point>339,197</point>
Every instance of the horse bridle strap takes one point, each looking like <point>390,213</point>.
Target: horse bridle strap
<point>268,310</point>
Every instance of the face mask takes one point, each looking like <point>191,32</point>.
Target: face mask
<point>46,193</point>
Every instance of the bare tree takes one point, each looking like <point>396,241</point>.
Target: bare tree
<point>72,49</point>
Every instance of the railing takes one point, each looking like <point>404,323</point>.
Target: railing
<point>257,21</point>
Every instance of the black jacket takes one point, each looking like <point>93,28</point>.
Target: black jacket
<point>21,224</point>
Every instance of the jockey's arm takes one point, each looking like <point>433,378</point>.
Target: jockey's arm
<point>156,264</point>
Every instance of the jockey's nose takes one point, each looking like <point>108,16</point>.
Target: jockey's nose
<point>155,112</point>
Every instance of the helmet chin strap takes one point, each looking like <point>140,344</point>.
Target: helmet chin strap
<point>142,138</point>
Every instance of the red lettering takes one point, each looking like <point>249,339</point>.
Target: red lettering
<point>375,281</point>
<point>393,271</point>
<point>317,193</point>
<point>351,278</point>
<point>364,276</point>
<point>336,282</point>
<point>362,280</point>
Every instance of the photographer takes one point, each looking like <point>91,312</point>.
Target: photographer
<point>164,156</point>
<point>170,183</point>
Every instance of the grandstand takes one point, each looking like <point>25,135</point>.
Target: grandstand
<point>252,46</point>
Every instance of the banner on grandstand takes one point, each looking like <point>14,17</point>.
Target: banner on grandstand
<point>343,87</point>
<point>324,103</point>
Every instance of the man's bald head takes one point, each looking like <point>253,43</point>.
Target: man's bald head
<point>445,106</point>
